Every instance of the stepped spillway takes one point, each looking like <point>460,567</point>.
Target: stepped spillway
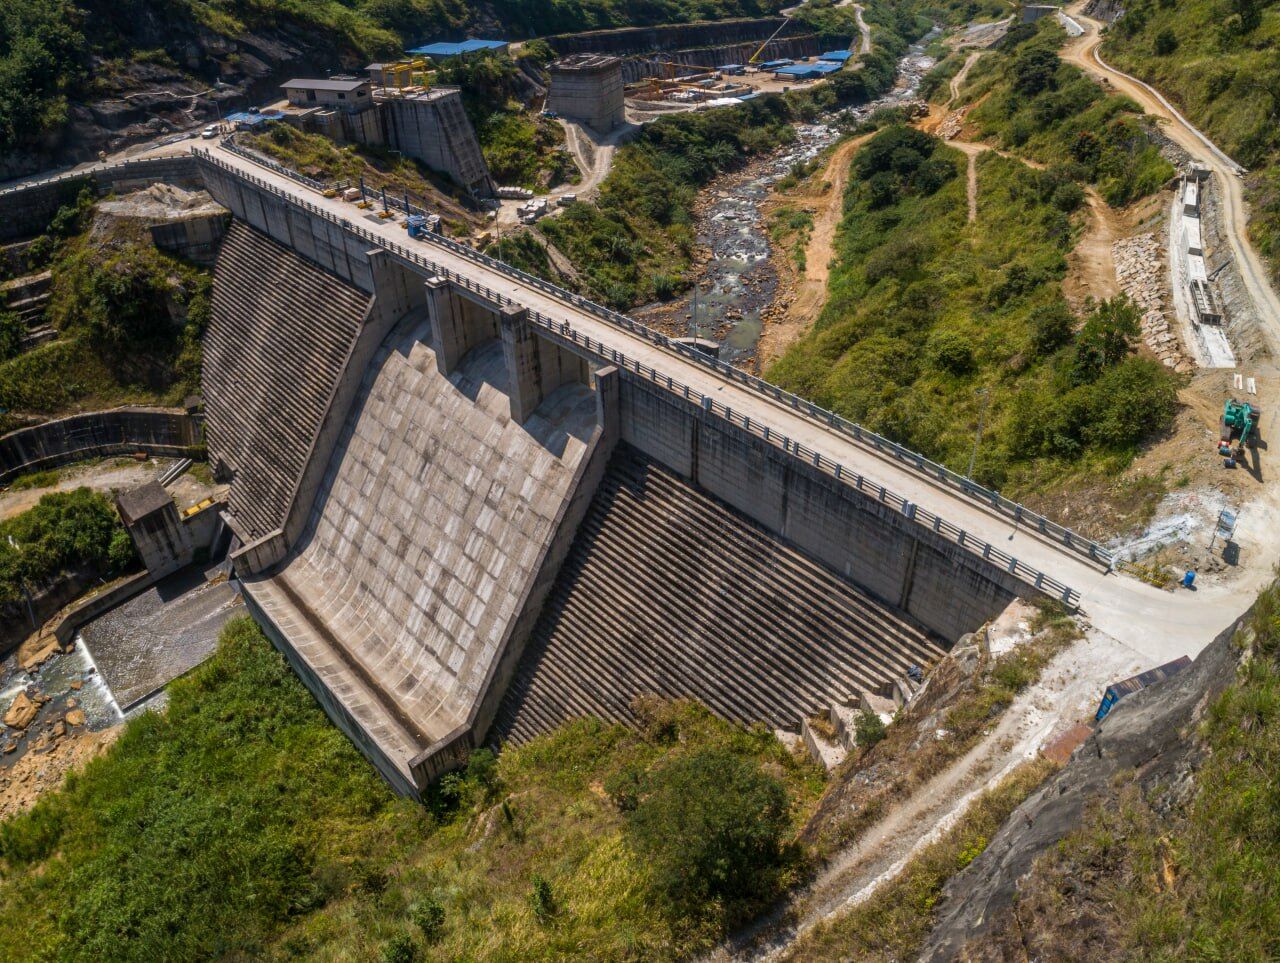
<point>278,339</point>
<point>668,591</point>
<point>431,520</point>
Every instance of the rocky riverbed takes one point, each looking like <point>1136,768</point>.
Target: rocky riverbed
<point>738,290</point>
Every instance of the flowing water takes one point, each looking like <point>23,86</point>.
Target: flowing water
<point>739,283</point>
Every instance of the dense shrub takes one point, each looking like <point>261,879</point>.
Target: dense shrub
<point>75,529</point>
<point>711,824</point>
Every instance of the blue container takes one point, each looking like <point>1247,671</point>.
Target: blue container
<point>1188,580</point>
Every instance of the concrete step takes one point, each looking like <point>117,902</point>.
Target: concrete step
<point>826,752</point>
<point>280,333</point>
<point>668,591</point>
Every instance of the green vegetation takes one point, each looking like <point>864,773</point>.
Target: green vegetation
<point>52,51</point>
<point>1217,61</point>
<point>65,530</point>
<point>519,148</point>
<point>1051,112</point>
<point>933,324</point>
<point>240,823</point>
<point>893,923</point>
<point>129,320</point>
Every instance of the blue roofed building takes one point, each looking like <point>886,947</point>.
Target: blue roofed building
<point>806,71</point>
<point>836,56</point>
<point>460,48</point>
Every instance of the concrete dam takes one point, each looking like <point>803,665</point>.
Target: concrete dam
<point>469,506</point>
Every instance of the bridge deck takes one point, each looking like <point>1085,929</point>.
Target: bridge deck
<point>1155,622</point>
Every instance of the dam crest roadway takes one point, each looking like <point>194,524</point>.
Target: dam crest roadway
<point>939,549</point>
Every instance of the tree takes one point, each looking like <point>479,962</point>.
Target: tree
<point>710,825</point>
<point>1166,43</point>
<point>1106,338</point>
<point>1051,326</point>
<point>868,728</point>
<point>1035,70</point>
<point>950,352</point>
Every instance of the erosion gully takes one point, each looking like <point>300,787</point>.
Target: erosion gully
<point>738,283</point>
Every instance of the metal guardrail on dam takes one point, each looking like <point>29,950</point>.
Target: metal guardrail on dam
<point>139,165</point>
<point>564,330</point>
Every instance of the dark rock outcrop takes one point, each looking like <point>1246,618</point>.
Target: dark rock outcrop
<point>1148,737</point>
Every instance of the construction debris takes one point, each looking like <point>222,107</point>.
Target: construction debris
<point>1140,269</point>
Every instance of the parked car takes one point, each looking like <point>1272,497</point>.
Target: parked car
<point>212,131</point>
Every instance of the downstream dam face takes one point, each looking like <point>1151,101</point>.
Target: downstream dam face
<point>462,522</point>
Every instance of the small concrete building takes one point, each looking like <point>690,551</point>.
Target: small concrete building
<point>341,108</point>
<point>152,520</point>
<point>588,88</point>
<point>340,93</point>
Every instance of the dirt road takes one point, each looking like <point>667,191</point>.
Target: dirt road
<point>811,287</point>
<point>1083,52</point>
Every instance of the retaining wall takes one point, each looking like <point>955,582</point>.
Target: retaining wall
<point>633,40</point>
<point>940,584</point>
<point>165,432</point>
<point>26,209</point>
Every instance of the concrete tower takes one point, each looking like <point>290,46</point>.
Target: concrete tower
<point>588,87</point>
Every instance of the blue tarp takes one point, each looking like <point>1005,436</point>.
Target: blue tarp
<point>775,64</point>
<point>839,56</point>
<point>457,49</point>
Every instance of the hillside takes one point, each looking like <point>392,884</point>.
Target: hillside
<point>79,76</point>
<point>1218,63</point>
<point>1157,841</point>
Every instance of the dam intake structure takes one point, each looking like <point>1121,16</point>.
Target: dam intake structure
<point>481,428</point>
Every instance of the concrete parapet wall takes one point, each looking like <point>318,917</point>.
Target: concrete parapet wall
<point>164,432</point>
<point>322,242</point>
<point>941,585</point>
<point>26,209</point>
<point>331,704</point>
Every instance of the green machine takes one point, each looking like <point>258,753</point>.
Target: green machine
<point>1239,426</point>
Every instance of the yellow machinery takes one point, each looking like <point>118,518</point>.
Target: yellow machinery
<point>756,56</point>
<point>398,75</point>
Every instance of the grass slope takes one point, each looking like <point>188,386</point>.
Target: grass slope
<point>933,324</point>
<point>238,823</point>
<point>1219,62</point>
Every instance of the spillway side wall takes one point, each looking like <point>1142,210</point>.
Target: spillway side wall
<point>944,587</point>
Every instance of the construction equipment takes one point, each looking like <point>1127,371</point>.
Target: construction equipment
<point>756,56</point>
<point>1239,425</point>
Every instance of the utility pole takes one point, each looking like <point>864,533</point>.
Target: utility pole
<point>693,313</point>
<point>982,413</point>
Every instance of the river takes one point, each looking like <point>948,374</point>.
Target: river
<point>738,283</point>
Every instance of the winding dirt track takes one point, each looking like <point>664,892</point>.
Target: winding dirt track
<point>1083,52</point>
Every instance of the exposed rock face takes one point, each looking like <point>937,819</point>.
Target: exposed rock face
<point>143,99</point>
<point>1149,735</point>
